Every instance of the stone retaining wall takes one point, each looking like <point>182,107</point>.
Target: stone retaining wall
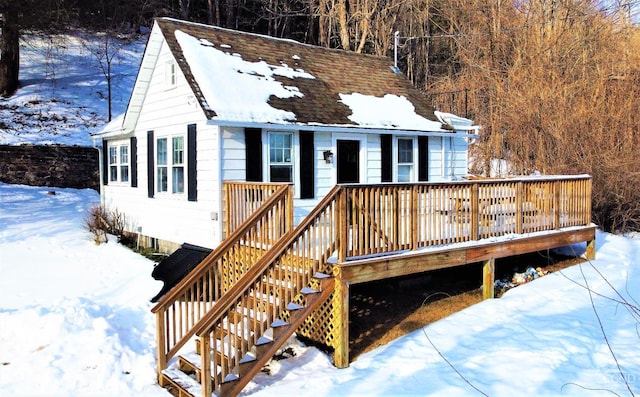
<point>50,165</point>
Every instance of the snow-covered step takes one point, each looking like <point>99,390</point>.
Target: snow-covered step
<point>181,381</point>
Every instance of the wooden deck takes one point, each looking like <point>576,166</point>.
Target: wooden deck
<point>420,261</point>
<point>378,268</point>
<point>259,279</point>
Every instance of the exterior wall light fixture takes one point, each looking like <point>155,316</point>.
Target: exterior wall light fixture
<point>328,156</point>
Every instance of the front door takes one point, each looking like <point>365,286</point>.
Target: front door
<point>348,161</point>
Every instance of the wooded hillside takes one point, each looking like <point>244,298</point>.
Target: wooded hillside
<point>554,83</point>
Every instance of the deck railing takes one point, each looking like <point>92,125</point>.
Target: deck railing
<point>184,305</point>
<point>394,217</point>
<point>242,199</point>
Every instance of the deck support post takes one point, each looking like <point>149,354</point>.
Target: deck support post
<point>556,205</point>
<point>591,249</point>
<point>519,207</point>
<point>341,300</point>
<point>343,225</point>
<point>488,278</point>
<point>474,212</point>
<point>205,365</point>
<point>160,342</point>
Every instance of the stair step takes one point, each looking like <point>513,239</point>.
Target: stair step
<point>221,355</point>
<point>286,266</point>
<point>259,299</point>
<point>263,344</point>
<point>189,367</point>
<point>292,306</point>
<point>307,291</point>
<point>271,285</point>
<point>246,364</point>
<point>279,327</point>
<point>222,332</point>
<point>185,385</point>
<point>229,386</point>
<point>235,317</point>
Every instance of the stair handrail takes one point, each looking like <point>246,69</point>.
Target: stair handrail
<point>243,287</point>
<point>282,197</point>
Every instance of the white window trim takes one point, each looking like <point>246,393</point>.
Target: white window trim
<point>413,177</point>
<point>169,165</point>
<point>295,150</point>
<point>117,145</point>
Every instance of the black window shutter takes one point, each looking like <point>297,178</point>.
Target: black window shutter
<point>387,156</point>
<point>423,158</point>
<point>253,148</point>
<point>192,181</point>
<point>105,162</point>
<point>133,158</point>
<point>150,165</point>
<point>307,159</point>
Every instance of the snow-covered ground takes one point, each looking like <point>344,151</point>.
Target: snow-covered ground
<point>63,95</point>
<point>75,320</point>
<point>75,317</point>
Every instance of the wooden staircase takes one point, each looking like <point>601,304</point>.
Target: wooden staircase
<point>243,302</point>
<point>187,377</point>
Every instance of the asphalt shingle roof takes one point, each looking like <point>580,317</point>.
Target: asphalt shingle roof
<point>336,72</point>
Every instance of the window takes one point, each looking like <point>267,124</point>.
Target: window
<point>161,167</point>
<point>170,158</point>
<point>280,157</point>
<point>124,163</point>
<point>118,163</point>
<point>170,74</point>
<point>177,164</point>
<point>405,159</point>
<point>113,164</point>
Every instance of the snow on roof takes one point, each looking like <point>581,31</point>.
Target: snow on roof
<point>456,122</point>
<point>225,89</point>
<point>388,111</point>
<point>112,128</point>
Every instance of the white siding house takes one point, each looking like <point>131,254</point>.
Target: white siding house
<point>212,105</point>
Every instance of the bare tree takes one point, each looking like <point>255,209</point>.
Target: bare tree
<point>9,54</point>
<point>105,52</point>
<point>554,85</point>
<point>14,17</point>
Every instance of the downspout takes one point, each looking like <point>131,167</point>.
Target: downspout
<point>100,171</point>
<point>222,216</point>
<point>451,159</point>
